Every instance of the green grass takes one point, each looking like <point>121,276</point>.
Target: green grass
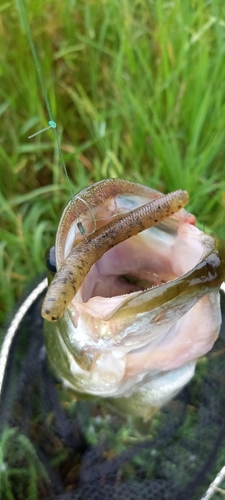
<point>20,475</point>
<point>137,91</point>
<point>137,88</point>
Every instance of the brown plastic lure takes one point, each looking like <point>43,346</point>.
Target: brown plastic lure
<point>71,275</point>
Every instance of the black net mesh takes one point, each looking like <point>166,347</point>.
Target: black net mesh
<point>82,450</point>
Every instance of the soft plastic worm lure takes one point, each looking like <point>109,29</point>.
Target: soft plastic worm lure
<point>71,275</point>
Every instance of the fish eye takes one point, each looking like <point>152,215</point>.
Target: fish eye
<point>50,260</point>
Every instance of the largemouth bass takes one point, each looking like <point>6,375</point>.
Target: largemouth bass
<point>135,299</point>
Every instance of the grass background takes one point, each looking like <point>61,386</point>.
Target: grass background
<point>137,89</point>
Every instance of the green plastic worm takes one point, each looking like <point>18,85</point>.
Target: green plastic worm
<point>71,275</point>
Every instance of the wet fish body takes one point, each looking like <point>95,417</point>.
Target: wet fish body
<point>146,310</point>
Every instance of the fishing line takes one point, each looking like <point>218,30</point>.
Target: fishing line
<point>80,226</point>
<point>94,219</point>
<point>52,123</point>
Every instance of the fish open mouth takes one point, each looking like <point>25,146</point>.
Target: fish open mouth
<point>127,269</point>
<point>147,260</point>
<point>157,263</point>
<point>146,308</point>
